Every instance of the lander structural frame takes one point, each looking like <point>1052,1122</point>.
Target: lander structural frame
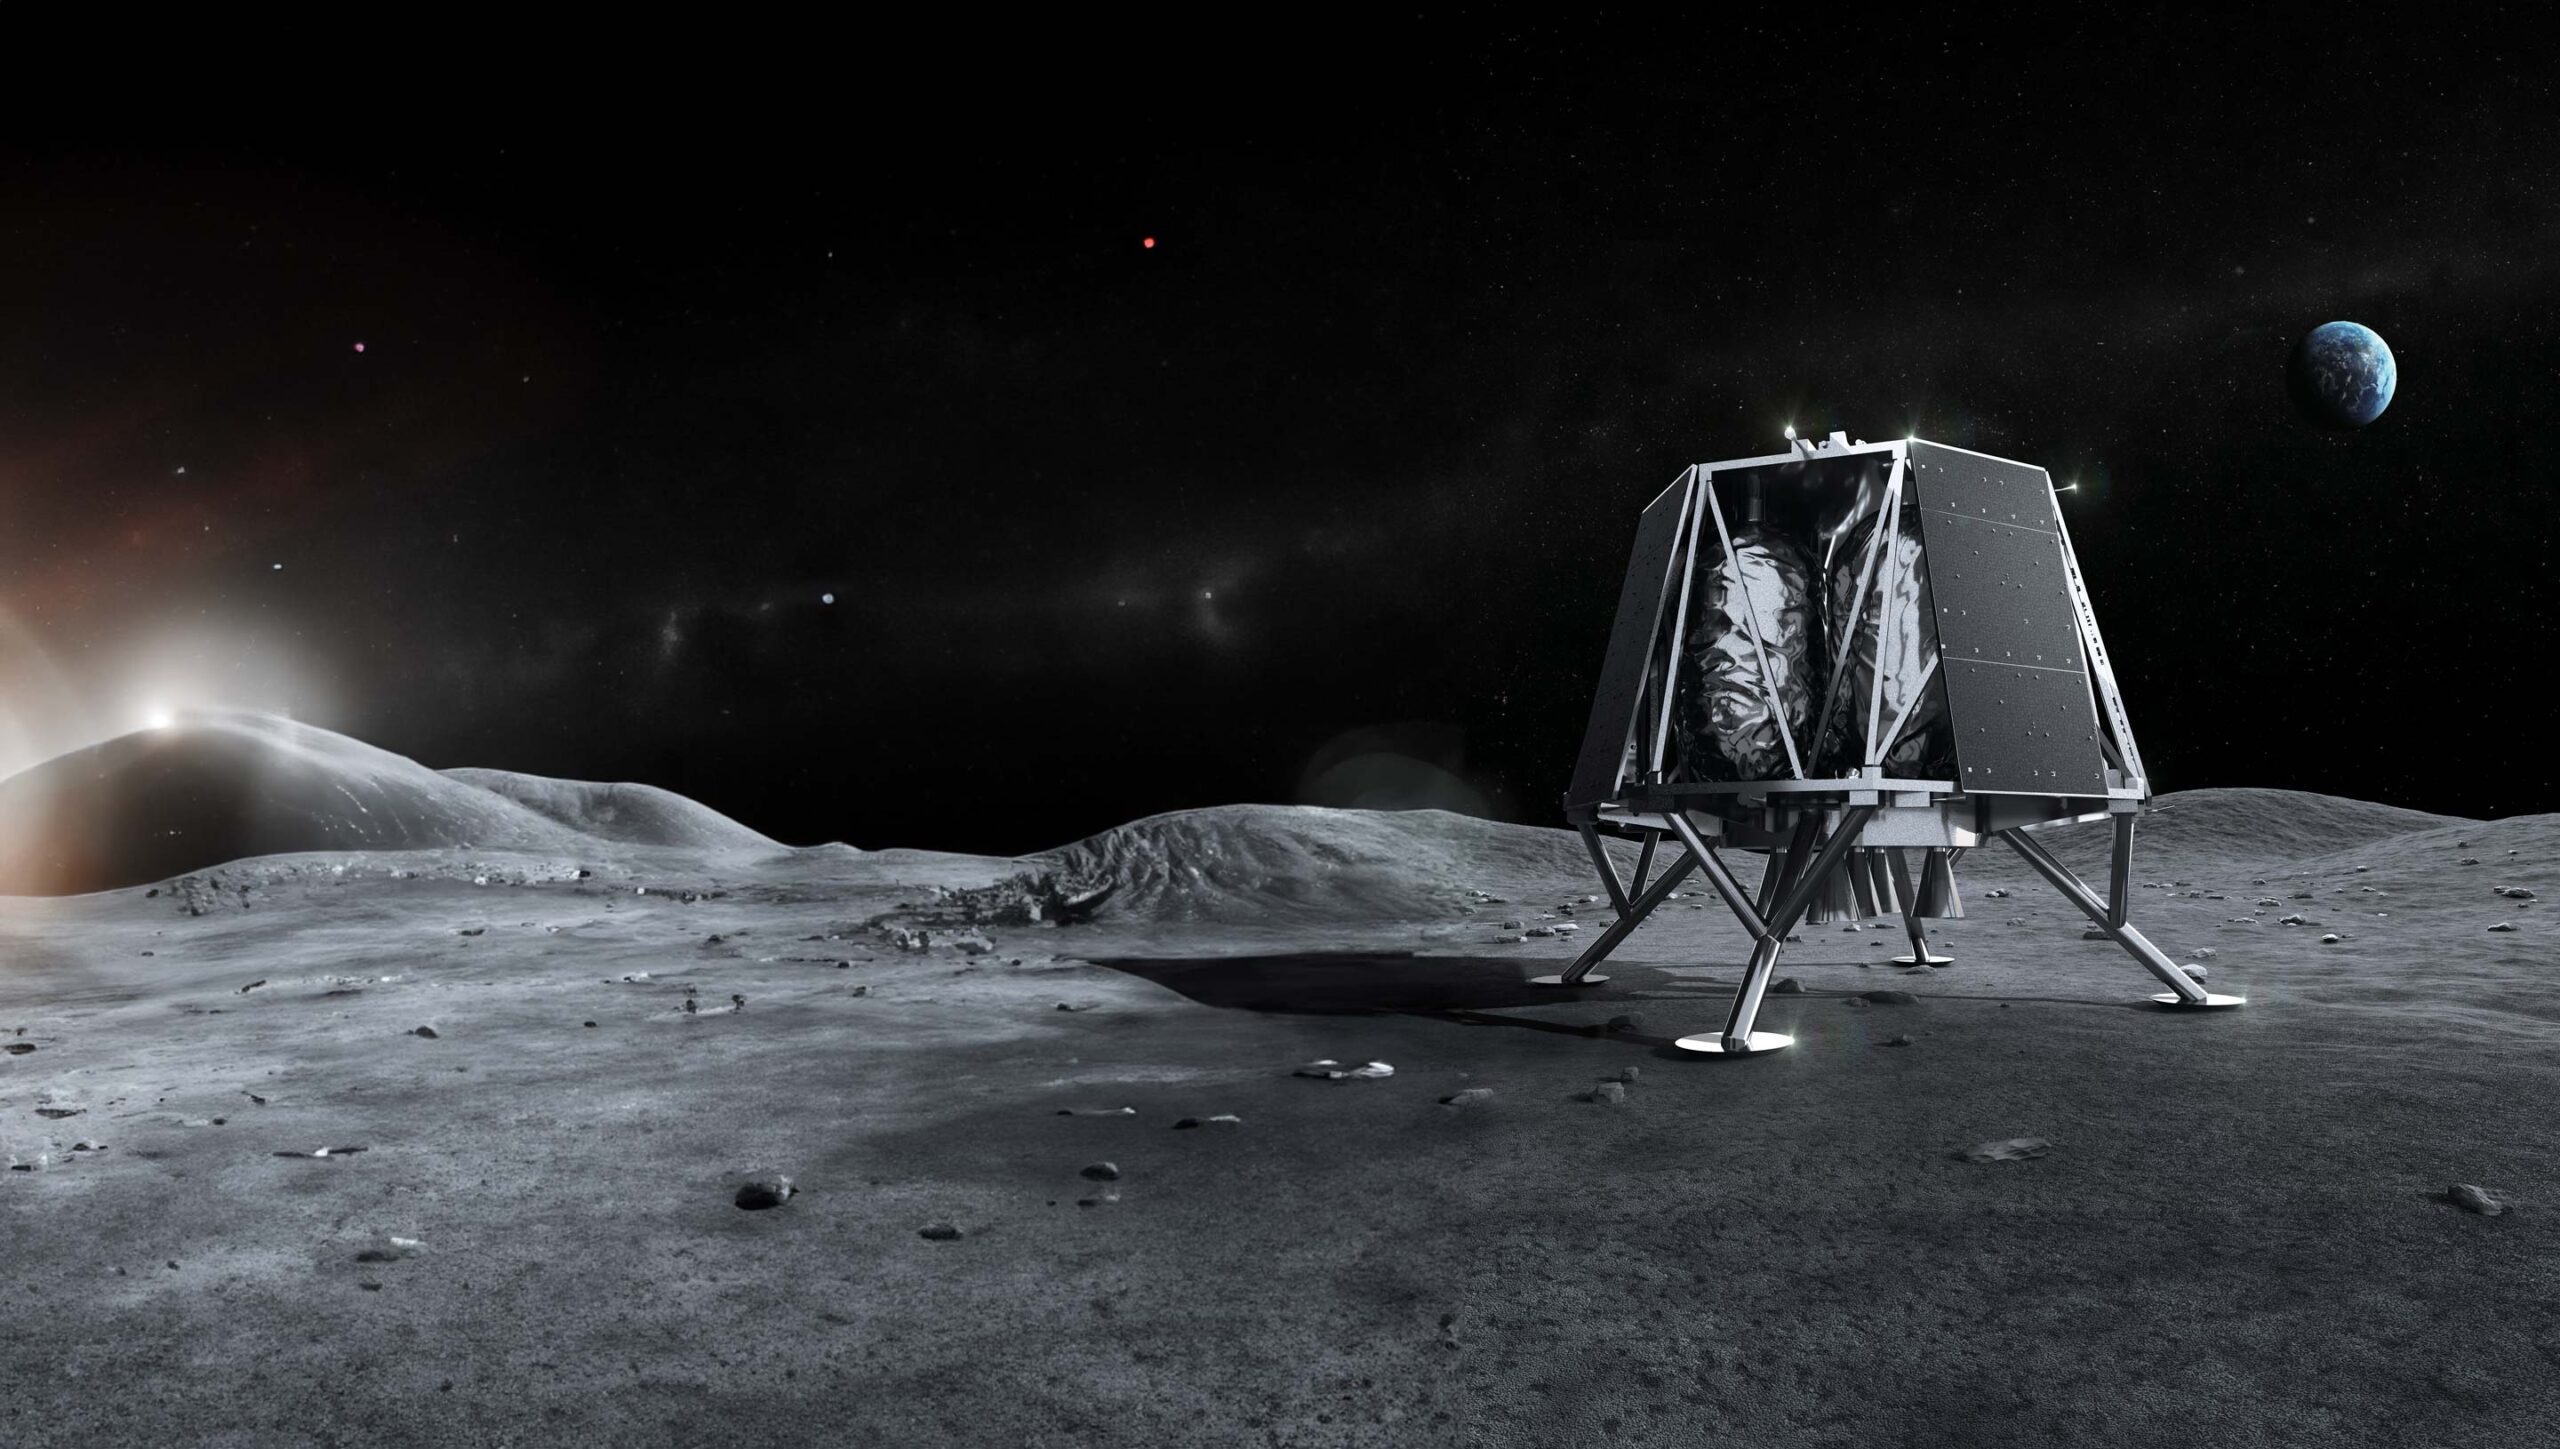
<point>1998,640</point>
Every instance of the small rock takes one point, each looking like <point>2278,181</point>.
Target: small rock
<point>1075,1006</point>
<point>1097,1111</point>
<point>1899,1041</point>
<point>1611,1093</point>
<point>252,986</point>
<point>1101,1172</point>
<point>58,1113</point>
<point>21,1048</point>
<point>938,1232</point>
<point>2205,952</point>
<point>2331,939</point>
<point>760,1193</point>
<point>2094,934</point>
<point>2504,926</point>
<point>2013,1149</point>
<point>1515,925</point>
<point>1629,1074</point>
<point>386,1248</point>
<point>1539,931</point>
<point>1223,1119</point>
<point>2473,1199</point>
<point>590,1023</point>
<point>1468,1097</point>
<point>1997,894</point>
<point>1857,1001</point>
<point>1891,998</point>
<point>2292,920</point>
<point>1333,1071</point>
<point>428,1032</point>
<point>2514,893</point>
<point>471,931</point>
<point>2197,972</point>
<point>1787,986</point>
<point>1631,1021</point>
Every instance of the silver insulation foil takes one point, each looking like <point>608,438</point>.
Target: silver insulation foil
<point>1897,598</point>
<point>1751,613</point>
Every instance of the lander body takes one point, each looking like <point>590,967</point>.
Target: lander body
<point>1860,661</point>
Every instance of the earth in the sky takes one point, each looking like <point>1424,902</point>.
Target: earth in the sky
<point>2342,375</point>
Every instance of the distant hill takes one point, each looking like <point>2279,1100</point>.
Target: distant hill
<point>1244,862</point>
<point>2264,826</point>
<point>632,814</point>
<point>218,787</point>
<point>1247,862</point>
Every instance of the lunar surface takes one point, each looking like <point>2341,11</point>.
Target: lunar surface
<point>477,1109</point>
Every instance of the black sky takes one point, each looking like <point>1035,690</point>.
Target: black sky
<point>660,352</point>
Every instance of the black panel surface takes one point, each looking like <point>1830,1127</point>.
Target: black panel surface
<point>1613,708</point>
<point>2023,731</point>
<point>2002,593</point>
<point>1950,480</point>
<point>2018,694</point>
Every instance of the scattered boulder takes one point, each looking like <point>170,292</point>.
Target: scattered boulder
<point>759,1193</point>
<point>2011,1149</point>
<point>2331,939</point>
<point>1101,1172</point>
<point>2504,926</point>
<point>1515,925</point>
<point>2513,893</point>
<point>1609,1093</point>
<point>428,1032</point>
<point>2292,920</point>
<point>1033,898</point>
<point>2474,1199</point>
<point>388,1248</point>
<point>1539,931</point>
<point>1332,1071</point>
<point>2199,973</point>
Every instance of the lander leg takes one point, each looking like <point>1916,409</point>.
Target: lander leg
<point>2184,990</point>
<point>1769,932</point>
<point>1920,955</point>
<point>1632,916</point>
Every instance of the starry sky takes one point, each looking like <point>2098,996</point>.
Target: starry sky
<point>817,434</point>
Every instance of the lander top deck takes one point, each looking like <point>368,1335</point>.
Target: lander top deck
<point>1898,624</point>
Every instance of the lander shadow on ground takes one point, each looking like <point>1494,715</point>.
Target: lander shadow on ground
<point>1466,989</point>
<point>1368,983</point>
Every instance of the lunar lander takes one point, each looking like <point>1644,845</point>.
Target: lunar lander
<point>1860,660</point>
